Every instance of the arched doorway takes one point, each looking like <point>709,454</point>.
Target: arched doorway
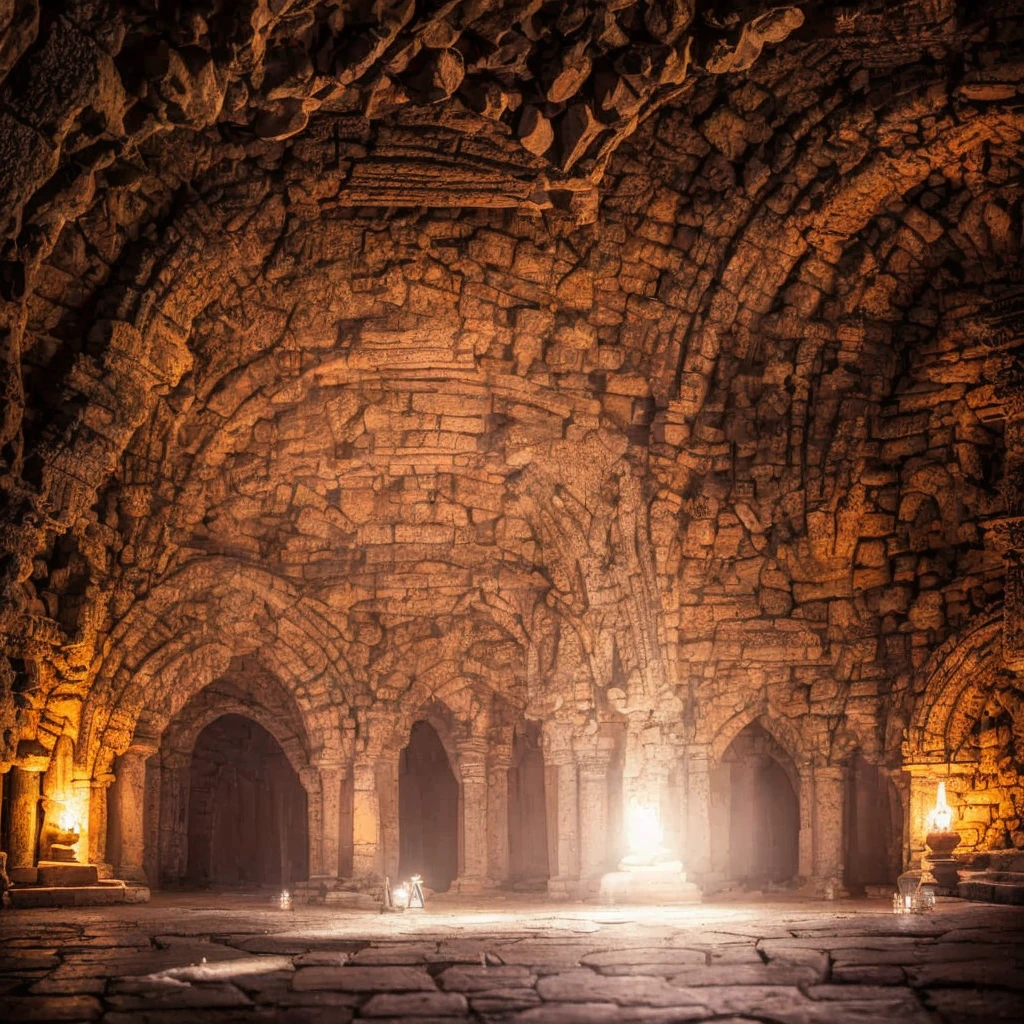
<point>428,810</point>
<point>247,821</point>
<point>527,811</point>
<point>873,826</point>
<point>755,812</point>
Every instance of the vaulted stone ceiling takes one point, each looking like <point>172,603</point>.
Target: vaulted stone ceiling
<point>635,361</point>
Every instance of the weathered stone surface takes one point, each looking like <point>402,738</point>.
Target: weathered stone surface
<point>630,393</point>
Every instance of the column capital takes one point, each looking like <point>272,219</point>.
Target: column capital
<point>309,776</point>
<point>698,752</point>
<point>556,742</point>
<point>471,748</point>
<point>142,747</point>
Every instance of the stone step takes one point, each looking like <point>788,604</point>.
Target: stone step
<point>55,874</point>
<point>104,893</point>
<point>984,887</point>
<point>992,876</point>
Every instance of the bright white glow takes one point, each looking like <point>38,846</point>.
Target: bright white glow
<point>643,829</point>
<point>285,899</point>
<point>400,896</point>
<point>941,818</point>
<point>67,823</point>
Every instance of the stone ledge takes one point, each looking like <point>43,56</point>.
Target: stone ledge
<point>99,895</point>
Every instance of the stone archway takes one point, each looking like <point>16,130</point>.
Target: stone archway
<point>527,811</point>
<point>755,811</point>
<point>872,825</point>
<point>247,818</point>
<point>428,810</point>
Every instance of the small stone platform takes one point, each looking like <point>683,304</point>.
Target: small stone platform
<point>994,877</point>
<point>102,893</point>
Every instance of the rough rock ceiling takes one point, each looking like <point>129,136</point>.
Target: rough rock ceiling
<point>621,359</point>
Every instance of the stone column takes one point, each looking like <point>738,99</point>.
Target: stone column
<point>472,756</point>
<point>805,862</point>
<point>25,794</point>
<point>98,789</point>
<point>698,811</point>
<point>497,816</point>
<point>387,789</point>
<point>175,790</point>
<point>152,850</point>
<point>310,779</point>
<point>828,828</point>
<point>81,793</point>
<point>593,816</point>
<point>331,775</point>
<point>131,810</point>
<point>367,859</point>
<point>1010,530</point>
<point>563,795</point>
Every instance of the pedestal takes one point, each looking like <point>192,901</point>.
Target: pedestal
<point>60,873</point>
<point>940,862</point>
<point>655,883</point>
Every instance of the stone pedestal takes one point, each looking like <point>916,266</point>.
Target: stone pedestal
<point>940,863</point>
<point>654,883</point>
<point>60,873</point>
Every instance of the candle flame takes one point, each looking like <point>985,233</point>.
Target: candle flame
<point>941,818</point>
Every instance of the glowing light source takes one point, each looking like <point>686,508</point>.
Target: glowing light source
<point>416,898</point>
<point>67,822</point>
<point>643,829</point>
<point>941,817</point>
<point>400,896</point>
<point>285,900</point>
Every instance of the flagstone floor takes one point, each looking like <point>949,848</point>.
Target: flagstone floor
<point>227,957</point>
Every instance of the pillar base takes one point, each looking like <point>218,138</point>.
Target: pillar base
<point>564,888</point>
<point>469,885</point>
<point>132,873</point>
<point>823,888</point>
<point>23,876</point>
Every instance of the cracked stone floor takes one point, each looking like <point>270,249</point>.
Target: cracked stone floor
<point>230,957</point>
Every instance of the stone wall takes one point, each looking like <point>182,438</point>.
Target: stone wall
<point>326,359</point>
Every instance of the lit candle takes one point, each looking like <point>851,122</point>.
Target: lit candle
<point>941,818</point>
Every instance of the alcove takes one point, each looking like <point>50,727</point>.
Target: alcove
<point>755,812</point>
<point>428,810</point>
<point>247,822</point>
<point>872,826</point>
<point>527,811</point>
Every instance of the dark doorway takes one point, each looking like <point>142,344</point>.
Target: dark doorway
<point>246,811</point>
<point>527,811</point>
<point>428,810</point>
<point>873,826</point>
<point>759,783</point>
